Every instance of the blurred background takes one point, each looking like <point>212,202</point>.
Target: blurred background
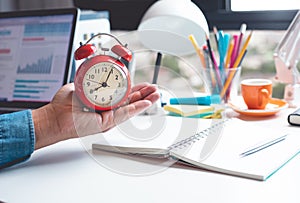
<point>268,21</point>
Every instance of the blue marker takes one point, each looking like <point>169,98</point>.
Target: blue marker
<point>202,100</point>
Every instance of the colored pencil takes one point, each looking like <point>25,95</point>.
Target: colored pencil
<point>237,62</point>
<point>234,51</point>
<point>242,32</point>
<point>229,52</point>
<point>240,56</point>
<point>198,50</point>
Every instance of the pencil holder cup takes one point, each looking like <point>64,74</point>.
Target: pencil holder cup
<point>223,82</point>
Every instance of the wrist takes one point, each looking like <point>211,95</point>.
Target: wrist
<point>46,130</point>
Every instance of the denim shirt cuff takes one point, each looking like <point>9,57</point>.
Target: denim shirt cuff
<point>17,138</point>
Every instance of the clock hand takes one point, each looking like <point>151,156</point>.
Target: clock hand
<point>98,88</point>
<point>97,83</point>
<point>104,84</point>
<point>94,81</point>
<point>110,72</point>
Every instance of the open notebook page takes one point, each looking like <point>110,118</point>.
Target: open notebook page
<point>150,135</point>
<point>235,137</point>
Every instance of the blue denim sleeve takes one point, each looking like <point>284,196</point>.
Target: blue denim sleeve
<point>17,137</point>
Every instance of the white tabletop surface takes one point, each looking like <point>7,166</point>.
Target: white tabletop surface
<point>65,172</point>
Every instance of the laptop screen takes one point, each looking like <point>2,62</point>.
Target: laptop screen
<point>35,56</point>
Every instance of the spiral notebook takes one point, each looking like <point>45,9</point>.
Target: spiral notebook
<point>214,145</point>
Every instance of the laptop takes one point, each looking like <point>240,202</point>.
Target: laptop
<point>35,56</point>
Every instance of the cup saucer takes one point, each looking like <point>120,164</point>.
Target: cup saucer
<point>274,106</point>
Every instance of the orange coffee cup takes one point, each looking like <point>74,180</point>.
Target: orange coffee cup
<point>256,92</point>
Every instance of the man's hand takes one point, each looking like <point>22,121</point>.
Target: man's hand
<point>64,118</point>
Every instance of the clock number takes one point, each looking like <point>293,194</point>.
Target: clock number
<point>103,99</point>
<point>104,69</point>
<point>92,77</point>
<point>117,77</point>
<point>119,84</point>
<point>96,96</point>
<point>110,97</point>
<point>97,71</point>
<point>91,91</point>
<point>88,83</point>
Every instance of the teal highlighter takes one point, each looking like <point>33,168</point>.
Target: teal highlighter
<point>201,100</point>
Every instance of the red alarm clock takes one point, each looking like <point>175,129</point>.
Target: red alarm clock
<point>102,82</point>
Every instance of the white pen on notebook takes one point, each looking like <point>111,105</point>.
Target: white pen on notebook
<point>263,146</point>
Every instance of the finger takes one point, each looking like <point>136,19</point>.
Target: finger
<point>142,93</point>
<point>130,110</point>
<point>139,86</point>
<point>113,118</point>
<point>107,120</point>
<point>153,97</point>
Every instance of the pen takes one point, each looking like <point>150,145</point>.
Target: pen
<point>157,67</point>
<point>263,146</point>
<point>206,57</point>
<point>214,62</point>
<point>210,73</point>
<point>226,44</point>
<point>216,34</point>
<point>221,45</point>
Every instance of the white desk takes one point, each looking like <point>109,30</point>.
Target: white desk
<point>65,172</point>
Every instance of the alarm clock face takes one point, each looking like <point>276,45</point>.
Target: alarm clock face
<point>105,85</point>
